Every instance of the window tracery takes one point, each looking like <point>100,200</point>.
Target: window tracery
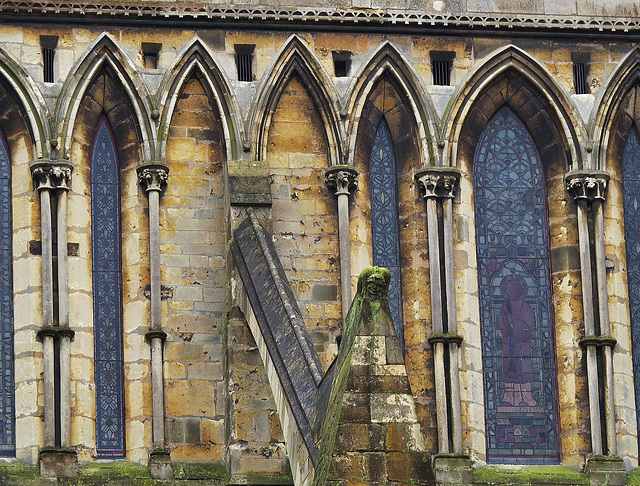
<point>107,292</point>
<point>515,295</point>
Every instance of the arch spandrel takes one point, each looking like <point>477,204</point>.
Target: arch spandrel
<point>104,52</point>
<point>608,104</point>
<point>195,58</point>
<point>388,61</point>
<point>31,101</point>
<point>513,62</point>
<point>296,59</point>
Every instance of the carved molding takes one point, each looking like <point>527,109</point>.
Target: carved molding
<point>438,182</point>
<point>153,176</point>
<point>588,185</point>
<point>342,179</point>
<point>51,174</point>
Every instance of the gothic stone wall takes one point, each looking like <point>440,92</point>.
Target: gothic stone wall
<point>218,404</point>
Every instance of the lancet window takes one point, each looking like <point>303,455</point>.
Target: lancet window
<point>7,394</point>
<point>384,217</point>
<point>107,292</point>
<point>515,295</point>
<point>631,197</point>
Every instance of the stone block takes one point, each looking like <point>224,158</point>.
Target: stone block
<point>453,469</point>
<point>407,466</point>
<point>160,464</point>
<point>58,463</point>
<point>606,470</point>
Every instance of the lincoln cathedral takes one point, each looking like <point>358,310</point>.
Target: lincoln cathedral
<point>342,243</point>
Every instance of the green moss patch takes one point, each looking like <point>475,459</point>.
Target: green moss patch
<point>634,478</point>
<point>16,470</point>
<point>115,470</point>
<point>190,470</point>
<point>503,475</point>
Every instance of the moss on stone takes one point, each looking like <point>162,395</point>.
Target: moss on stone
<point>504,475</point>
<point>16,470</point>
<point>274,479</point>
<point>634,477</point>
<point>115,470</point>
<point>191,470</point>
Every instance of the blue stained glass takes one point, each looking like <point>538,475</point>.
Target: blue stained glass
<point>384,218</point>
<point>631,198</point>
<point>7,382</point>
<point>107,293</point>
<point>515,295</point>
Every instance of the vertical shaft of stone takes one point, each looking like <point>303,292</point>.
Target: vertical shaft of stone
<point>47,317</point>
<point>63,322</point>
<point>47,257</point>
<point>452,324</point>
<point>589,327</point>
<point>157,392</point>
<point>154,258</point>
<point>153,176</point>
<point>343,179</point>
<point>605,326</point>
<point>441,398</point>
<point>434,265</point>
<point>49,397</point>
<point>345,251</point>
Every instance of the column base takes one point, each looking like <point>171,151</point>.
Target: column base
<point>453,469</point>
<point>606,470</point>
<point>160,464</point>
<point>58,463</point>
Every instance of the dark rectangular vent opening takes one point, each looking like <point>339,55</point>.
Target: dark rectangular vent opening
<point>581,72</point>
<point>441,65</point>
<point>150,52</point>
<point>341,63</point>
<point>244,61</point>
<point>48,44</point>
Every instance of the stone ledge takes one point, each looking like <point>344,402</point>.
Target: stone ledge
<point>530,475</point>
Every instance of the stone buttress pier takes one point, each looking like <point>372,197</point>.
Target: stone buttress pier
<point>438,185</point>
<point>52,179</point>
<point>153,177</point>
<point>588,189</point>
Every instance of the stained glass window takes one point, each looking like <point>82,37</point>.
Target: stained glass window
<point>515,296</point>
<point>7,398</point>
<point>631,197</point>
<point>107,292</point>
<point>384,218</point>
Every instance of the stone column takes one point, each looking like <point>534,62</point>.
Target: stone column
<point>153,176</point>
<point>343,179</point>
<point>438,185</point>
<point>588,188</point>
<point>41,172</point>
<point>52,176</point>
<point>61,177</point>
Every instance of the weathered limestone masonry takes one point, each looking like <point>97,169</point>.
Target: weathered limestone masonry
<point>287,110</point>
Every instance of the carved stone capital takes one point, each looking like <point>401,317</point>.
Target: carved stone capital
<point>588,185</point>
<point>438,182</point>
<point>153,175</point>
<point>51,174</point>
<point>343,179</point>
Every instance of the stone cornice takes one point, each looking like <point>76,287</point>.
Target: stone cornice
<point>320,15</point>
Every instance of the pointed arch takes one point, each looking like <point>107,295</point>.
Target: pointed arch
<point>387,60</point>
<point>105,52</point>
<point>196,57</point>
<point>31,100</point>
<point>296,59</point>
<point>608,104</point>
<point>513,62</point>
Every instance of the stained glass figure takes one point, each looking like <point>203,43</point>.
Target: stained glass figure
<point>384,218</point>
<point>631,198</point>
<point>515,296</point>
<point>107,292</point>
<point>7,382</point>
